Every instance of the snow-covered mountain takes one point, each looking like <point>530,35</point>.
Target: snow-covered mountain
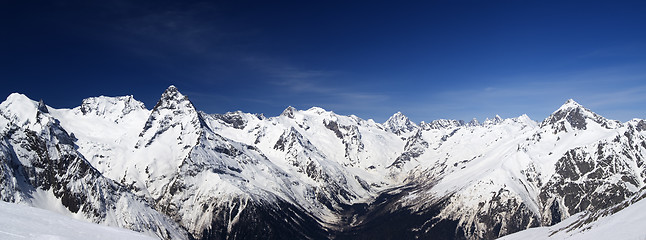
<point>174,172</point>
<point>42,167</point>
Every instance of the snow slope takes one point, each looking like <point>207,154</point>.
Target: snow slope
<point>313,173</point>
<point>23,222</point>
<point>41,167</point>
<point>623,221</point>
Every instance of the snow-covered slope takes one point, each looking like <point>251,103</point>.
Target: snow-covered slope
<point>486,181</point>
<point>23,222</point>
<point>313,173</point>
<point>622,221</point>
<point>41,167</point>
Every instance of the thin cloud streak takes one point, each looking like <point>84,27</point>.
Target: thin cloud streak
<point>323,84</point>
<point>538,97</point>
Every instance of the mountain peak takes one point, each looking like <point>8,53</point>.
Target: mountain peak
<point>113,108</point>
<point>399,123</point>
<point>575,115</point>
<point>474,122</point>
<point>317,110</point>
<point>173,110</point>
<point>172,99</point>
<point>496,120</point>
<point>171,91</point>
<point>288,112</point>
<point>442,124</point>
<point>569,104</point>
<point>397,117</point>
<point>171,88</point>
<point>19,109</point>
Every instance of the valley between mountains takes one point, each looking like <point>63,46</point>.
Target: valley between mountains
<point>174,172</point>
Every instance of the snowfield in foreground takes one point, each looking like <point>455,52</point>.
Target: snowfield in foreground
<point>626,223</point>
<point>24,222</point>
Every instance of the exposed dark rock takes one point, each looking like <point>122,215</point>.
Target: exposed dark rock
<point>415,147</point>
<point>288,112</point>
<point>42,107</point>
<point>232,119</point>
<point>334,127</point>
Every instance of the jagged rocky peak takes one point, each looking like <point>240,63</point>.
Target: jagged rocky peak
<point>42,107</point>
<point>474,122</point>
<point>442,124</point>
<point>40,110</point>
<point>102,105</point>
<point>289,138</point>
<point>398,123</point>
<point>496,120</point>
<point>173,99</point>
<point>175,102</point>
<point>173,110</point>
<point>576,116</point>
<point>288,112</point>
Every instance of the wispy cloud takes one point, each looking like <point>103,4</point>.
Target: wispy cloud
<point>602,90</point>
<point>323,86</point>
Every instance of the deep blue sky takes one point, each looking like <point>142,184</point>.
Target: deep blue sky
<point>429,59</point>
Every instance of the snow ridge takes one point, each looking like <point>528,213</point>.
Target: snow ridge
<point>312,173</point>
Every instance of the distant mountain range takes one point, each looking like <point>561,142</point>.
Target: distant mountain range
<point>174,172</point>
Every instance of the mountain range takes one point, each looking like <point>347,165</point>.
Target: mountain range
<point>174,172</point>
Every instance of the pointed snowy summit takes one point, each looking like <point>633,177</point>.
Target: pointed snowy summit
<point>576,116</point>
<point>497,119</point>
<point>398,123</point>
<point>173,110</point>
<point>570,104</point>
<point>19,109</point>
<point>288,112</point>
<point>172,99</point>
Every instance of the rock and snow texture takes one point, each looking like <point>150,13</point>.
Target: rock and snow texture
<point>18,222</point>
<point>399,124</point>
<point>622,221</point>
<point>41,167</point>
<point>174,172</point>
